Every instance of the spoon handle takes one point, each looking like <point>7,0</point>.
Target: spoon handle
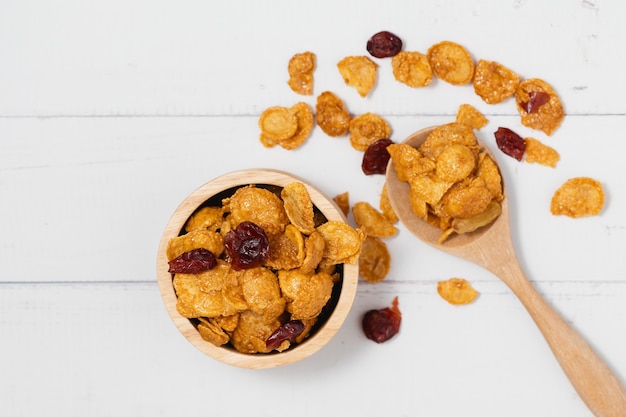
<point>591,377</point>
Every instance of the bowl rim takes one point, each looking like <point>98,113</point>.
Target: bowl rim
<point>230,356</point>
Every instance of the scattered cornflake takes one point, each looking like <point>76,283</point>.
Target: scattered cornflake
<point>366,129</point>
<point>301,67</point>
<point>457,291</point>
<point>540,153</point>
<point>412,68</point>
<point>494,82</point>
<point>359,72</point>
<point>375,260</point>
<point>372,221</point>
<point>539,106</point>
<point>578,197</point>
<point>470,116</point>
<point>343,201</point>
<point>331,114</point>
<point>451,63</point>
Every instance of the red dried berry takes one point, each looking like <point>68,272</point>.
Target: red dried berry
<point>381,325</point>
<point>247,246</point>
<point>376,157</point>
<point>384,45</point>
<point>536,100</point>
<point>193,262</point>
<point>288,331</point>
<point>510,143</point>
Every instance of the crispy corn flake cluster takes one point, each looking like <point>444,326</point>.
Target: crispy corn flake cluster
<point>454,184</point>
<point>244,307</point>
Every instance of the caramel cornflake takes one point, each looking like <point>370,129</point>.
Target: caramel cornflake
<point>412,68</point>
<point>451,62</point>
<point>331,114</point>
<point>306,294</point>
<point>287,127</point>
<point>259,206</point>
<point>540,153</point>
<point>209,218</point>
<point>445,135</point>
<point>304,115</point>
<point>313,252</point>
<point>198,238</point>
<point>366,129</point>
<point>375,260</point>
<point>578,197</point>
<point>372,221</point>
<point>547,114</point>
<point>358,72</point>
<point>343,202</point>
<point>342,243</point>
<point>301,67</point>
<point>278,123</point>
<point>470,116</point>
<point>299,207</point>
<point>457,291</point>
<point>494,82</point>
<point>385,205</point>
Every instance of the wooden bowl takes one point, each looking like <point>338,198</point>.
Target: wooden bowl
<point>338,306</point>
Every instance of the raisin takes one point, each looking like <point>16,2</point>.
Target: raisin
<point>288,331</point>
<point>384,45</point>
<point>381,325</point>
<point>536,100</point>
<point>510,143</point>
<point>193,262</point>
<point>376,157</point>
<point>247,246</point>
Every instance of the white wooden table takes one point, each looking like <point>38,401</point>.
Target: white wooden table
<point>111,112</point>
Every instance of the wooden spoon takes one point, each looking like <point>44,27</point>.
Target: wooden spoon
<point>492,248</point>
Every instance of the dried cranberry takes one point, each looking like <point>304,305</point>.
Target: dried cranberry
<point>510,143</point>
<point>384,44</point>
<point>193,262</point>
<point>288,331</point>
<point>381,325</point>
<point>247,246</point>
<point>376,157</point>
<point>536,100</point>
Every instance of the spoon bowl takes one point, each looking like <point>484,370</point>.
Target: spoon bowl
<point>455,244</point>
<point>491,247</point>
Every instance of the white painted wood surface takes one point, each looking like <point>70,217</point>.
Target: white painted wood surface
<point>112,112</point>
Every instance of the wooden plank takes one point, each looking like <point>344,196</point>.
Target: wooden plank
<point>91,197</point>
<point>110,349</point>
<point>163,58</point>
